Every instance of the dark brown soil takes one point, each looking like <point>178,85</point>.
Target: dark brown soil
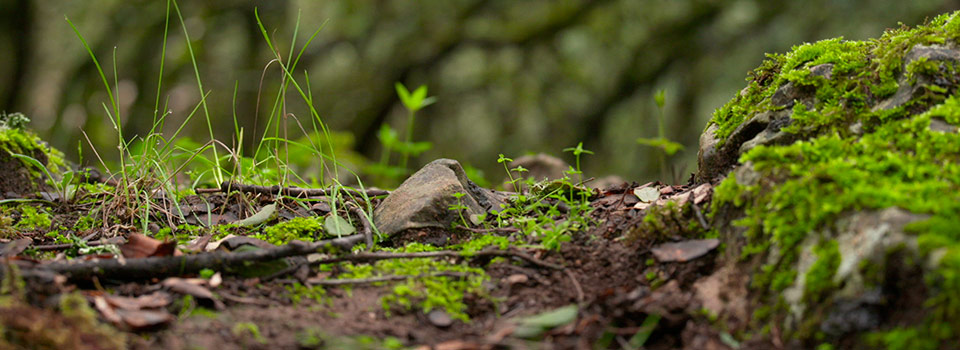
<point>616,284</point>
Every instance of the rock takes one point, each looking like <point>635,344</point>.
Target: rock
<point>424,199</point>
<point>912,86</point>
<point>439,318</point>
<point>837,205</point>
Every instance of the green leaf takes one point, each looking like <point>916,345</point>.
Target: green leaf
<point>668,147</point>
<point>418,96</point>
<point>534,326</point>
<point>646,329</point>
<point>338,226</point>
<point>260,217</point>
<point>660,98</point>
<point>403,93</point>
<point>388,136</point>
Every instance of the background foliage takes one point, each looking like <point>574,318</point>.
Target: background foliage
<point>509,76</point>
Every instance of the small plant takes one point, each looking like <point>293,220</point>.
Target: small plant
<point>577,151</point>
<point>667,147</point>
<point>459,207</point>
<point>390,140</point>
<point>515,182</point>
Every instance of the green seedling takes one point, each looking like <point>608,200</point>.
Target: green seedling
<point>390,140</point>
<point>667,147</point>
<point>413,102</point>
<point>577,151</point>
<point>459,207</point>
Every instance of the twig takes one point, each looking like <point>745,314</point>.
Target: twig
<point>154,267</point>
<point>341,282</point>
<point>488,230</point>
<point>576,286</point>
<point>226,187</point>
<point>364,257</point>
<point>365,224</point>
<point>49,247</point>
<point>699,214</point>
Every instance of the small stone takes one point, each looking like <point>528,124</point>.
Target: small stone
<point>439,318</point>
<point>516,279</point>
<point>424,199</point>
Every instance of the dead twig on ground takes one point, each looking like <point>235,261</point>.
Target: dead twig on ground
<point>366,231</point>
<point>699,215</point>
<point>51,247</point>
<point>342,282</point>
<point>226,187</point>
<point>156,267</point>
<point>374,256</point>
<point>576,286</point>
<point>492,229</point>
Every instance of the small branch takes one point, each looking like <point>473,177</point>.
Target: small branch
<point>226,187</point>
<point>50,247</point>
<point>488,230</point>
<point>576,286</point>
<point>374,256</point>
<point>341,282</point>
<point>156,267</point>
<point>365,224</point>
<point>699,214</point>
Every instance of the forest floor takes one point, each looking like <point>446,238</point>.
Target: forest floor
<point>95,286</point>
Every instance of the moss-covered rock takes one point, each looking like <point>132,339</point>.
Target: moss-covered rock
<point>19,177</point>
<point>839,190</point>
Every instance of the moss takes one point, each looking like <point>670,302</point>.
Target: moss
<point>307,229</point>
<point>897,161</point>
<point>33,219</point>
<point>425,289</point>
<point>819,279</point>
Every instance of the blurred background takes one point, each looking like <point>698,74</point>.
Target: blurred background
<point>511,77</point>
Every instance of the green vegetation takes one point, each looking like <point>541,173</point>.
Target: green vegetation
<point>668,148</point>
<point>897,161</point>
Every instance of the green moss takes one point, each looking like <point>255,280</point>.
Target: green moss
<point>33,219</point>
<point>819,279</point>
<point>422,290</point>
<point>307,229</point>
<point>896,162</point>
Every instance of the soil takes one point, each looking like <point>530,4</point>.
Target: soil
<point>616,282</point>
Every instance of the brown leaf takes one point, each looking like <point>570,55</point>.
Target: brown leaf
<point>140,246</point>
<point>15,247</point>
<point>701,193</point>
<point>149,301</point>
<point>684,251</point>
<point>192,287</point>
<point>142,320</point>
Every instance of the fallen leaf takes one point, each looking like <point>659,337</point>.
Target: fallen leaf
<point>185,286</point>
<point>701,193</point>
<point>140,246</point>
<point>15,247</point>
<point>647,194</point>
<point>684,251</point>
<point>142,320</point>
<point>338,226</point>
<point>260,217</point>
<point>150,301</point>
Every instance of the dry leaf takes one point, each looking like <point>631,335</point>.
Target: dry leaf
<point>647,194</point>
<point>684,251</point>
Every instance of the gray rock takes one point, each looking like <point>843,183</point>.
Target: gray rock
<point>424,199</point>
<point>912,86</point>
